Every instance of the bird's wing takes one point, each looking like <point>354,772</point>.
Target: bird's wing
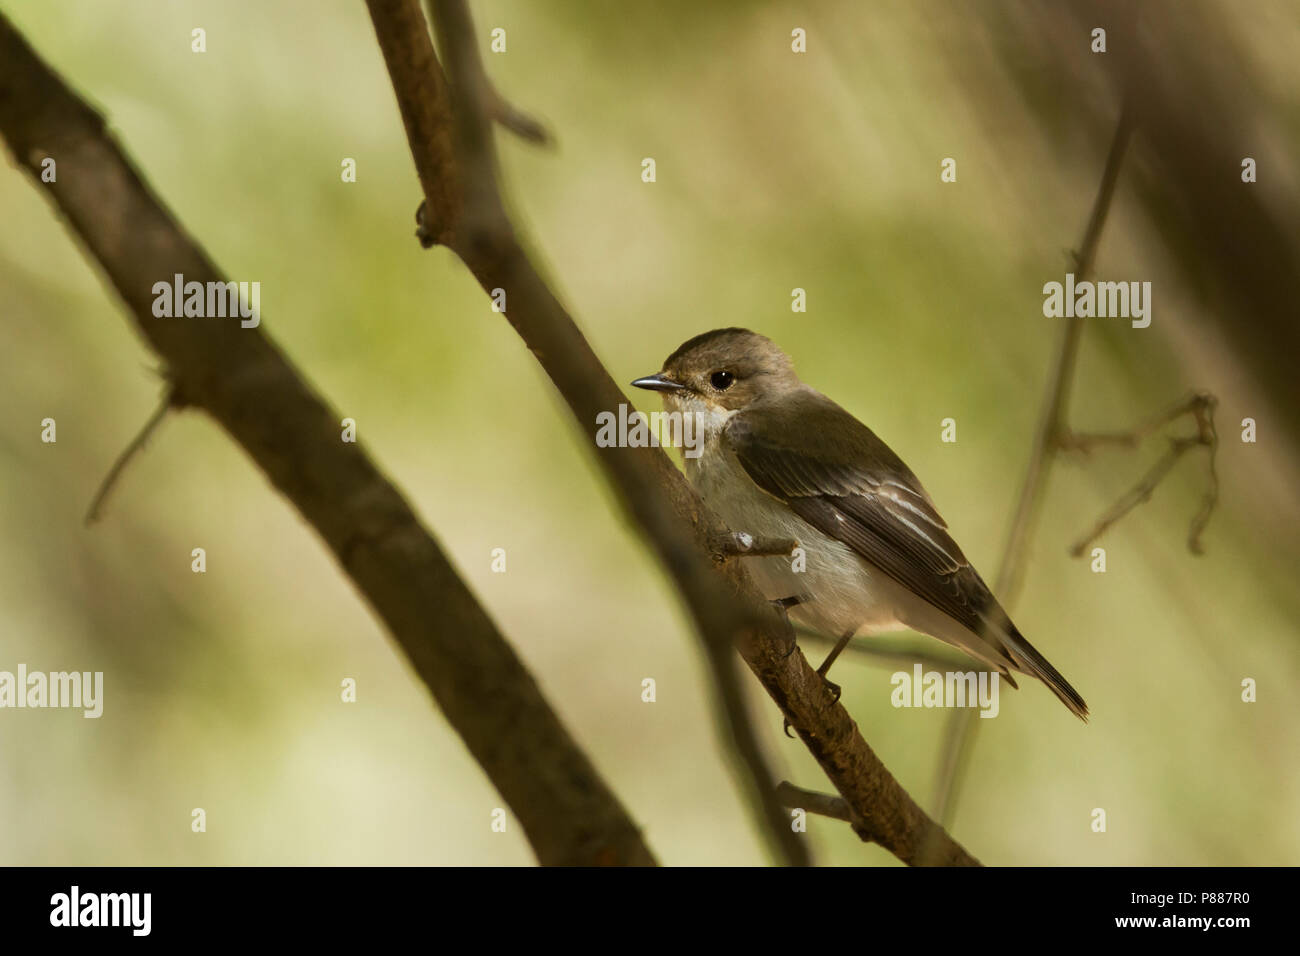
<point>835,474</point>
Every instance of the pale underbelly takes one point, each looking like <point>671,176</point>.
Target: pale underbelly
<point>840,591</point>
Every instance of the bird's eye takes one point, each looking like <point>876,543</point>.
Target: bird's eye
<point>721,380</point>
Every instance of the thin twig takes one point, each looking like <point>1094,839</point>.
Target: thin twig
<point>517,121</point>
<point>1138,494</point>
<point>1051,423</point>
<point>823,804</point>
<point>1211,498</point>
<point>1200,405</point>
<point>741,544</point>
<point>960,731</point>
<point>1068,439</point>
<point>110,480</point>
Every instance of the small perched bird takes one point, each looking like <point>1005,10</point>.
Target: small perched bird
<point>779,459</point>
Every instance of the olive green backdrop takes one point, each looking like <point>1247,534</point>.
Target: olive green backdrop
<point>775,171</point>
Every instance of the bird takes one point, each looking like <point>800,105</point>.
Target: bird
<point>777,459</point>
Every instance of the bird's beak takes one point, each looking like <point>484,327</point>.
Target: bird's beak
<point>659,383</point>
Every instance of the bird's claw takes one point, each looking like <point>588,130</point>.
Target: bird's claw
<point>783,606</point>
<point>836,691</point>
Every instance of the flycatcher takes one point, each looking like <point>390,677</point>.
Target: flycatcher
<point>781,460</point>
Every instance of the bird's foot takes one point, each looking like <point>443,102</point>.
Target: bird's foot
<point>783,606</point>
<point>836,691</point>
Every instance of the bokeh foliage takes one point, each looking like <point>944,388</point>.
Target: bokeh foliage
<point>775,171</point>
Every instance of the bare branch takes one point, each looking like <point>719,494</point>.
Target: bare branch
<point>727,609</point>
<point>1052,421</point>
<point>422,99</point>
<point>1138,494</point>
<point>1068,439</point>
<point>823,804</point>
<point>485,230</point>
<point>960,731</point>
<point>517,121</point>
<point>239,377</point>
<point>484,238</point>
<point>96,509</point>
<point>739,544</point>
<point>1200,405</point>
<point>1210,438</point>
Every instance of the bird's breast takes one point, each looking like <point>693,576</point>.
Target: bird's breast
<point>841,591</point>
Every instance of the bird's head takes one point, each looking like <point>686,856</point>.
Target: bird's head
<point>721,372</point>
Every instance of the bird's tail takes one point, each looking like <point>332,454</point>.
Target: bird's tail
<point>1027,659</point>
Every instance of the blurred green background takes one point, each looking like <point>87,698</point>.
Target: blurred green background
<point>775,171</point>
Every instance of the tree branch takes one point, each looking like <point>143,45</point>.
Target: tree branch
<point>169,402</point>
<point>523,125</point>
<point>960,733</point>
<point>483,237</point>
<point>1201,406</point>
<point>823,804</point>
<point>240,378</point>
<point>727,610</point>
<point>741,544</point>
